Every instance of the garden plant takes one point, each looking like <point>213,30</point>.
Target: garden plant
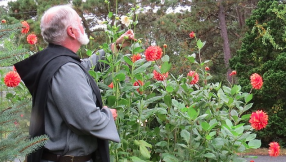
<point>166,118</point>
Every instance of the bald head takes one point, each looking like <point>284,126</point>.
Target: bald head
<point>55,22</point>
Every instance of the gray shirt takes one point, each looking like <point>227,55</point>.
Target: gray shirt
<point>73,122</point>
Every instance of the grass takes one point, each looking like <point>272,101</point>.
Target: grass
<point>263,151</point>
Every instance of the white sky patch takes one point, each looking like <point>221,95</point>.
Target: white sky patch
<point>5,2</point>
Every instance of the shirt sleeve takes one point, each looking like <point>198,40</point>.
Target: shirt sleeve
<point>74,98</point>
<point>93,61</point>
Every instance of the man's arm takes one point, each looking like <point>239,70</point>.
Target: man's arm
<point>93,61</point>
<point>76,103</point>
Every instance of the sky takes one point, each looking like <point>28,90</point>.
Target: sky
<point>4,2</point>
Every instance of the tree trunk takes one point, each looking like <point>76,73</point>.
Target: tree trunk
<point>223,32</point>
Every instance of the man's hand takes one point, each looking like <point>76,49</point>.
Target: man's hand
<point>125,39</point>
<point>113,112</point>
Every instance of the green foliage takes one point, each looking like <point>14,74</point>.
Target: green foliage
<point>263,52</point>
<point>15,103</point>
<point>173,120</point>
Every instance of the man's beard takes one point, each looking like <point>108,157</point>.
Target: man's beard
<point>83,38</point>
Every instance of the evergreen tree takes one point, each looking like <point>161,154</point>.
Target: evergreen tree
<point>157,25</point>
<point>263,52</point>
<point>15,99</point>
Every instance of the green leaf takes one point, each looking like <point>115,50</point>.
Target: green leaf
<point>248,98</point>
<point>138,50</point>
<point>191,58</point>
<point>235,89</point>
<point>165,58</point>
<point>165,67</point>
<point>250,137</point>
<point>186,135</point>
<point>247,107</point>
<point>137,159</point>
<point>169,158</point>
<point>245,117</point>
<point>95,75</point>
<point>254,144</point>
<point>127,60</point>
<point>218,143</point>
<point>168,100</point>
<point>89,52</point>
<point>205,125</point>
<point>119,77</point>
<point>142,68</point>
<point>193,114</point>
<point>222,96</point>
<point>200,44</point>
<point>110,14</point>
<point>162,144</point>
<point>169,88</point>
<point>110,101</point>
<point>152,100</point>
<point>228,123</point>
<point>210,155</point>
<point>143,148</point>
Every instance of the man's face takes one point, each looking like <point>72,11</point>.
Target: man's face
<point>83,38</point>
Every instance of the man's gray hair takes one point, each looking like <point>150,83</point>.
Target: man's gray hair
<point>55,22</point>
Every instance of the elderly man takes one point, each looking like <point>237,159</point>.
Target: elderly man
<point>67,104</point>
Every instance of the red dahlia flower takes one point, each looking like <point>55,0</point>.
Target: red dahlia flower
<point>110,85</point>
<point>153,53</point>
<point>25,27</point>
<point>232,73</point>
<point>139,83</point>
<point>136,57</point>
<point>256,81</point>
<point>3,21</point>
<point>258,120</point>
<point>192,34</point>
<point>32,39</point>
<point>207,68</point>
<point>12,79</point>
<point>160,77</point>
<point>274,149</point>
<point>195,77</point>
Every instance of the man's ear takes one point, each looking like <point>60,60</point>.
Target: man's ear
<point>71,32</point>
